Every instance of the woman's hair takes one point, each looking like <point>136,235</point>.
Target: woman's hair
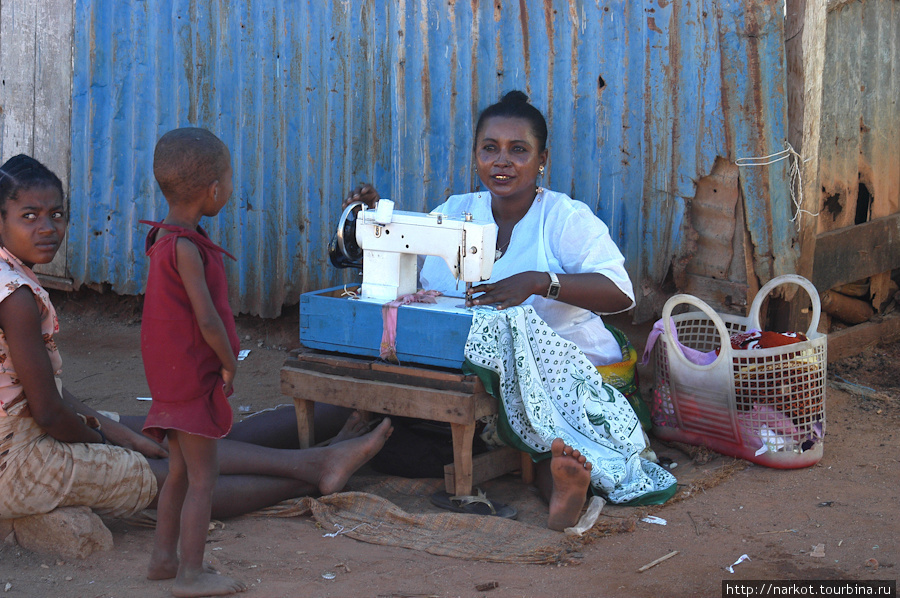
<point>21,173</point>
<point>515,105</point>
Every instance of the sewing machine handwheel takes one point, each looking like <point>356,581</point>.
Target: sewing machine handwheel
<point>343,250</point>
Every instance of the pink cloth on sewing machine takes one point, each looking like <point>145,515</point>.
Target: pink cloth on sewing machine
<point>389,320</point>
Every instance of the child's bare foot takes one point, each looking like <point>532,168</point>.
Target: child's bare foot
<point>354,427</point>
<point>162,566</point>
<point>341,460</point>
<point>207,584</point>
<point>167,568</point>
<point>571,474</point>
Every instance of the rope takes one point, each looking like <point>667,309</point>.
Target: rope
<point>796,178</point>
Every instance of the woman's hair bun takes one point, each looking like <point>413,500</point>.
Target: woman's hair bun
<point>515,97</point>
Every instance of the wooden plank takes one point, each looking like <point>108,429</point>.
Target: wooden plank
<point>382,397</point>
<point>857,252</point>
<point>36,96</point>
<point>722,295</point>
<point>305,413</point>
<point>805,36</point>
<point>333,360</point>
<point>463,434</point>
<point>367,369</point>
<point>856,339</point>
<point>18,54</point>
<point>421,373</point>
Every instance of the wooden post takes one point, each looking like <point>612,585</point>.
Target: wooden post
<point>805,35</point>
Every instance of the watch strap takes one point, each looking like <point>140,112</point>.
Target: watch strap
<point>553,289</point>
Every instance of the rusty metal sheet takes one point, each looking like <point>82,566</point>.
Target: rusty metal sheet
<point>860,142</point>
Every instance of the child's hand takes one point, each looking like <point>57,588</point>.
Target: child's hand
<point>228,378</point>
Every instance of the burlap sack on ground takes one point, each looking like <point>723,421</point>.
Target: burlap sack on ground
<point>370,518</point>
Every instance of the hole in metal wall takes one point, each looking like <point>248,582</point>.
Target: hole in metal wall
<point>863,204</point>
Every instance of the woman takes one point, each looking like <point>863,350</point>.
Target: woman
<point>55,451</point>
<point>554,255</point>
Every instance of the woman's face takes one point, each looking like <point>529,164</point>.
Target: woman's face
<point>508,158</point>
<point>33,226</point>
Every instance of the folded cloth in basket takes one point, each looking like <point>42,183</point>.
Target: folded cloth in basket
<point>757,339</point>
<point>693,355</point>
<point>750,339</point>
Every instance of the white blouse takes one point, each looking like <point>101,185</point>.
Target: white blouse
<point>558,234</point>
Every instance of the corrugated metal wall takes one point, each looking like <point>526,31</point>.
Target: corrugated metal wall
<point>314,97</point>
<point>860,139</point>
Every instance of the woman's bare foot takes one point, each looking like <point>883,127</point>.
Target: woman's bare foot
<point>571,474</point>
<point>342,459</point>
<point>206,584</point>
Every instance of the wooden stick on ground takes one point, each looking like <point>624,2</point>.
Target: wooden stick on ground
<point>657,561</point>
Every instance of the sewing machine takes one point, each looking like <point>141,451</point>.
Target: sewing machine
<point>386,244</point>
<point>391,242</point>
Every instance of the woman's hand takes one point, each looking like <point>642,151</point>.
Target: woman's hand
<point>364,193</point>
<point>121,435</point>
<point>588,290</point>
<point>510,291</point>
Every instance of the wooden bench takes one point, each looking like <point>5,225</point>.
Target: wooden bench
<point>311,377</point>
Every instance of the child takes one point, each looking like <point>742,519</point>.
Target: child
<point>189,345</point>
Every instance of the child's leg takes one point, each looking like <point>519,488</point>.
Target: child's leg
<point>200,455</point>
<point>164,559</point>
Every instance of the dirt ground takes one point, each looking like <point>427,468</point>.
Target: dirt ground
<point>848,502</point>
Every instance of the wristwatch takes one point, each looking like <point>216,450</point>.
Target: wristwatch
<point>553,289</point>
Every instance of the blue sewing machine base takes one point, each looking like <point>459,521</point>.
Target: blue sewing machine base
<point>426,334</point>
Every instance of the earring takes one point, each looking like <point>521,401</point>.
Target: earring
<point>541,170</point>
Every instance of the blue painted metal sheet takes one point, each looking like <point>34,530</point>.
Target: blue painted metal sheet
<point>314,97</point>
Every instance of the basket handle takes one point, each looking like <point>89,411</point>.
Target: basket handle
<point>725,338</point>
<point>787,279</point>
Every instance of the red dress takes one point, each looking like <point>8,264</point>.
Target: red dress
<point>183,371</point>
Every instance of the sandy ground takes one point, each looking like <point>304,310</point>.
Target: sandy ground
<point>848,502</point>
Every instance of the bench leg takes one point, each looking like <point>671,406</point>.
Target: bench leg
<point>305,432</point>
<point>527,468</point>
<point>462,458</point>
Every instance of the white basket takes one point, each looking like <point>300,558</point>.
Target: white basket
<point>763,405</point>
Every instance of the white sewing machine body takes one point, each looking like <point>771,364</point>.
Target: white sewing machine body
<point>390,243</point>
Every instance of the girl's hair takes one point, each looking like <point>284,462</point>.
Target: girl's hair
<point>21,173</point>
<point>515,105</point>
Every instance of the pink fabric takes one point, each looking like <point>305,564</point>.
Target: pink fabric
<point>389,320</point>
<point>15,274</point>
<point>762,417</point>
<point>750,339</point>
<point>693,355</point>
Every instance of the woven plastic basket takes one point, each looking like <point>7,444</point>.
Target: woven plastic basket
<point>763,405</point>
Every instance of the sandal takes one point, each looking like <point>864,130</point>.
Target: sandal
<point>477,504</point>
